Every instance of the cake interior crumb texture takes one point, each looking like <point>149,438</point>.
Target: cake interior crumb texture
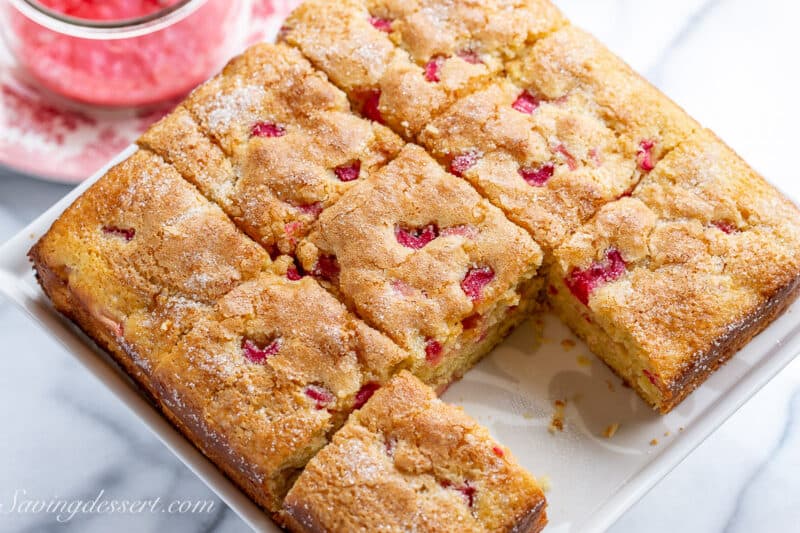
<point>337,222</point>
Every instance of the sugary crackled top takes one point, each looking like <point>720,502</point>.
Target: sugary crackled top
<point>701,245</point>
<point>144,251</point>
<point>403,61</point>
<point>549,164</point>
<point>293,147</point>
<point>409,462</point>
<point>570,60</point>
<point>416,250</point>
<point>271,370</point>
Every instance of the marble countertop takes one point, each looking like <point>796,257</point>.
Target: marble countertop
<point>65,436</point>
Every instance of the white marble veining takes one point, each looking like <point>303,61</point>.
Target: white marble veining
<point>731,67</point>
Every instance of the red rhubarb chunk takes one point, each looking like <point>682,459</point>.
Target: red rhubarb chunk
<point>258,354</point>
<point>467,490</point>
<point>645,155</point>
<point>475,281</point>
<point>432,69</point>
<point>126,233</point>
<point>322,396</point>
<point>582,282</point>
<point>433,351</point>
<point>526,103</point>
<point>471,322</point>
<point>293,273</point>
<point>384,25</point>
<point>311,209</point>
<point>463,162</point>
<point>469,493</point>
<point>470,57</point>
<point>348,172</point>
<point>725,226</point>
<point>371,106</point>
<point>416,238</point>
<point>650,376</point>
<point>402,287</point>
<point>327,267</point>
<point>568,157</point>
<point>464,230</point>
<point>498,451</point>
<point>293,229</point>
<point>364,394</point>
<point>537,176</point>
<point>267,129</point>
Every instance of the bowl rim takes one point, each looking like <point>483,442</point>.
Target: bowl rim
<point>105,29</point>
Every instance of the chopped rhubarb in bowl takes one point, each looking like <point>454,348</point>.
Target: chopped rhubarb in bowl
<point>122,53</point>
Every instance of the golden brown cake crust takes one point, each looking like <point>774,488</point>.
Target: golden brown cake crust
<point>572,61</point>
<point>272,142</point>
<point>265,377</point>
<point>705,241</point>
<point>404,242</point>
<point>124,260</point>
<point>407,461</point>
<point>402,63</point>
<point>549,166</point>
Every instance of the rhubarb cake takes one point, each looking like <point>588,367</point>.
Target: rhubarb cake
<point>272,142</point>
<point>139,257</point>
<point>261,382</point>
<point>422,257</point>
<point>548,164</point>
<point>570,64</point>
<point>403,62</point>
<point>408,462</point>
<point>666,285</point>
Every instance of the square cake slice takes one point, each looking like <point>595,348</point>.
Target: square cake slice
<point>407,461</point>
<point>261,382</point>
<point>272,142</point>
<point>549,165</point>
<point>571,61</point>
<point>402,62</point>
<point>668,284</point>
<point>138,257</point>
<point>422,257</point>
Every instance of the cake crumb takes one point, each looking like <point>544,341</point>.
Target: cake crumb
<point>654,442</point>
<point>557,421</point>
<point>680,428</point>
<point>527,416</point>
<point>610,386</point>
<point>611,430</point>
<point>666,433</point>
<point>583,360</point>
<point>567,344</point>
<point>544,483</point>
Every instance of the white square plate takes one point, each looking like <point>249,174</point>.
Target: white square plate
<point>593,479</point>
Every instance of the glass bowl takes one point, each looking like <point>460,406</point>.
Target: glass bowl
<point>135,62</point>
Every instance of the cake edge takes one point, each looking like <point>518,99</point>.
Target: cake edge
<point>56,288</point>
